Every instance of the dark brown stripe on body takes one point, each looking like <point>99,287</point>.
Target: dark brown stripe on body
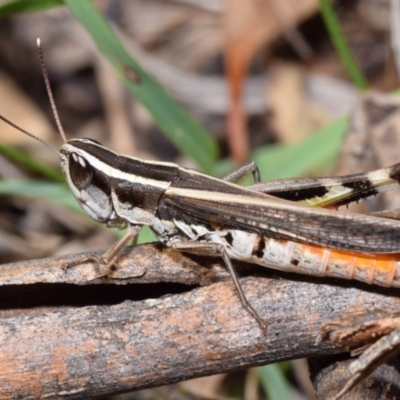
<point>129,165</point>
<point>146,169</point>
<point>395,172</point>
<point>360,185</point>
<point>192,179</point>
<point>165,213</point>
<point>101,181</point>
<point>229,238</point>
<point>137,195</point>
<point>258,250</point>
<point>95,149</point>
<point>300,194</point>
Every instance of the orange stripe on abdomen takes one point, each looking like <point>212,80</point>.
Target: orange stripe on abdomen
<point>383,270</point>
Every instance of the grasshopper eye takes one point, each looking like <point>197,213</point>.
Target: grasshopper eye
<point>80,171</point>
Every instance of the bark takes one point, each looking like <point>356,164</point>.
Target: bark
<point>59,340</point>
<point>375,373</point>
<point>329,374</point>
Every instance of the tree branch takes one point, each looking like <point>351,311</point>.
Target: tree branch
<point>111,344</point>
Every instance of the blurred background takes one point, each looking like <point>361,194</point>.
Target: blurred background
<point>265,80</point>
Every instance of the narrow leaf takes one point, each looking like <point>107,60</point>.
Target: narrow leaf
<point>319,151</point>
<point>33,165</point>
<point>59,194</point>
<point>335,32</point>
<point>171,117</point>
<point>20,6</point>
<point>274,383</point>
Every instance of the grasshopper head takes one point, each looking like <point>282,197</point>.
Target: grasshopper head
<point>86,165</point>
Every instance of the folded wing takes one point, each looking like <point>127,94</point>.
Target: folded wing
<point>270,216</point>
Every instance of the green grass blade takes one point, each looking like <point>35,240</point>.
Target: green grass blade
<point>277,161</point>
<point>28,162</point>
<point>187,135</point>
<point>181,129</point>
<point>20,6</point>
<point>59,194</point>
<point>274,382</point>
<point>319,151</point>
<point>55,192</point>
<point>339,41</point>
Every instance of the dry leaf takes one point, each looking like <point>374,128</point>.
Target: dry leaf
<point>18,108</point>
<point>249,25</point>
<point>293,115</point>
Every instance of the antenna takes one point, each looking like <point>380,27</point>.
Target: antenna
<point>49,92</point>
<point>29,134</point>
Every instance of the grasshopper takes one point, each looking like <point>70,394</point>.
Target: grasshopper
<point>265,224</point>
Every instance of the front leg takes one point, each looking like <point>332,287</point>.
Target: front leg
<point>218,250</point>
<point>106,260</point>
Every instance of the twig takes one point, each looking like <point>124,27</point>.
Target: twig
<point>108,345</point>
<point>395,32</point>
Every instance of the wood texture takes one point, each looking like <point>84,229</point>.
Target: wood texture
<point>330,372</point>
<point>58,342</point>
